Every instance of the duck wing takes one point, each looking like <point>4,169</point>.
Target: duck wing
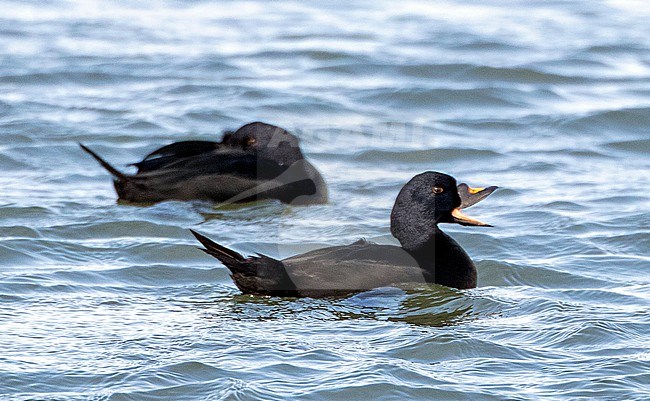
<point>331,271</point>
<point>352,268</point>
<point>223,175</point>
<point>173,152</point>
<point>230,161</point>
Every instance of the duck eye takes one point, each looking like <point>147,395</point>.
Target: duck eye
<point>437,190</point>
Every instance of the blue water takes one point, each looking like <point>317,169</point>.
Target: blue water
<point>548,100</point>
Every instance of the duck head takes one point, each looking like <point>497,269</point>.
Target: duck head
<point>267,141</point>
<point>428,199</point>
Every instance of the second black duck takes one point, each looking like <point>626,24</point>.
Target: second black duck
<point>258,161</point>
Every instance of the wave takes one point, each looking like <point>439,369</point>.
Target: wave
<point>634,146</point>
<point>442,98</point>
<point>627,120</point>
<point>425,156</point>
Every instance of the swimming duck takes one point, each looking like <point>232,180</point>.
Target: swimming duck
<point>258,161</point>
<point>426,254</point>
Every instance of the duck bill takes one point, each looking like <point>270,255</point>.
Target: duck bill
<point>470,196</point>
<point>465,220</point>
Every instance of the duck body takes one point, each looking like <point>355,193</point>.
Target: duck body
<point>426,256</point>
<point>346,269</point>
<point>258,161</point>
<point>225,175</point>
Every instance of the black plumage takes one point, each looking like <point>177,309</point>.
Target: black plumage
<point>258,161</point>
<point>426,254</point>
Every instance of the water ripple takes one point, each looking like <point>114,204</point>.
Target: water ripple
<point>108,301</point>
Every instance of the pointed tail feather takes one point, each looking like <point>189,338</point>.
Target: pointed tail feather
<point>115,172</point>
<point>260,275</point>
<point>227,256</point>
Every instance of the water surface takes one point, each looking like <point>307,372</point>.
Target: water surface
<point>548,100</point>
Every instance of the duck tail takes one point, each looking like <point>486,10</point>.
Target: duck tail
<point>231,259</point>
<point>259,275</point>
<point>115,172</point>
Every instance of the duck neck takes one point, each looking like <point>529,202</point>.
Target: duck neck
<point>444,261</point>
<point>424,249</point>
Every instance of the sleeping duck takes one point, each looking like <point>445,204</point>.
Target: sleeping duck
<point>258,161</point>
<point>426,254</point>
